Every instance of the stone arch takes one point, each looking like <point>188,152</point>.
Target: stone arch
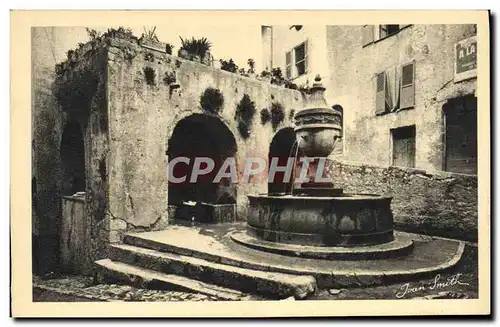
<point>282,146</point>
<point>201,135</point>
<point>72,152</point>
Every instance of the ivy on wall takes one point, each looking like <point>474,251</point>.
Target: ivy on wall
<point>245,112</point>
<point>212,100</point>
<point>277,114</point>
<point>150,75</point>
<point>265,116</point>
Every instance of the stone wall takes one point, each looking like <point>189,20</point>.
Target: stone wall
<point>438,203</point>
<point>47,121</point>
<point>72,91</point>
<point>352,84</point>
<point>143,115</point>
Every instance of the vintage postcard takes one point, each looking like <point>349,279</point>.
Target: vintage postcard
<point>238,164</point>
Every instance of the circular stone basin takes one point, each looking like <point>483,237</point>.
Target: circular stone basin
<point>400,247</point>
<point>348,220</point>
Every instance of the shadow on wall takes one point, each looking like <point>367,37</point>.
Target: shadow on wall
<point>73,159</point>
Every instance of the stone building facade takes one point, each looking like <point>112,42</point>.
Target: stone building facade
<point>405,101</point>
<point>408,94</point>
<point>107,120</point>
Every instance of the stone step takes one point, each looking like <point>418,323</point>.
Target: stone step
<point>270,284</point>
<point>108,270</point>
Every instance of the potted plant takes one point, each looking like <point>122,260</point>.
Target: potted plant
<point>121,33</point>
<point>277,76</point>
<point>228,65</point>
<point>169,48</point>
<point>182,53</point>
<point>149,40</point>
<point>266,75</point>
<point>208,59</point>
<point>251,70</point>
<point>242,72</point>
<point>196,49</point>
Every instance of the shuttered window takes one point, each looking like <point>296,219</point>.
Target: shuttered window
<point>367,35</point>
<point>380,105</point>
<point>288,64</point>
<point>386,30</point>
<point>301,59</point>
<point>408,86</point>
<point>296,61</point>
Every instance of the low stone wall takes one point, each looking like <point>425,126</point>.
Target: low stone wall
<point>438,203</point>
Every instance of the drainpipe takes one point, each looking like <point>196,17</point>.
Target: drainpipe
<point>272,51</point>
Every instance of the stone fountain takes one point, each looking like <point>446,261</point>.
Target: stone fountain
<point>324,219</point>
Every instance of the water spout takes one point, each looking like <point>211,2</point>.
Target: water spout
<point>294,163</point>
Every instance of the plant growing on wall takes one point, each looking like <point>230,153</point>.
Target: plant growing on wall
<point>212,100</point>
<point>265,116</point>
<point>121,32</point>
<point>277,114</point>
<point>266,75</point>
<point>196,49</point>
<point>277,76</point>
<point>169,48</point>
<point>93,34</point>
<point>251,64</point>
<point>304,88</point>
<point>150,34</point>
<point>169,78</point>
<point>150,75</point>
<point>228,65</point>
<point>245,112</point>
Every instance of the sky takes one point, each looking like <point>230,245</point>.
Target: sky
<point>228,41</point>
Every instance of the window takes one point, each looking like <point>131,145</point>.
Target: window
<point>373,33</point>
<point>296,61</point>
<point>380,106</point>
<point>395,89</point>
<point>300,59</point>
<point>403,146</point>
<point>408,86</point>
<point>387,30</point>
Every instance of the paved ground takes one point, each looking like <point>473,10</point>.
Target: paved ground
<point>79,289</point>
<point>462,283</point>
<point>82,289</point>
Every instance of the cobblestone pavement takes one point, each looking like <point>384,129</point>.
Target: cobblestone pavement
<point>78,288</point>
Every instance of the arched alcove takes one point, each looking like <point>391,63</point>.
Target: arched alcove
<point>201,135</point>
<point>283,146</point>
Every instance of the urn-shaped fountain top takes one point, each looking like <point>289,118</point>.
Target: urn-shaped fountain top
<point>317,126</point>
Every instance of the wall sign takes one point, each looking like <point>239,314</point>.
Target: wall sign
<point>466,59</point>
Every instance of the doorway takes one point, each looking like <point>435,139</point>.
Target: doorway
<point>460,119</point>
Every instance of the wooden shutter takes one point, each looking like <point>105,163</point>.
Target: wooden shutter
<point>367,35</point>
<point>305,57</point>
<point>380,107</point>
<point>408,86</point>
<point>288,57</point>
